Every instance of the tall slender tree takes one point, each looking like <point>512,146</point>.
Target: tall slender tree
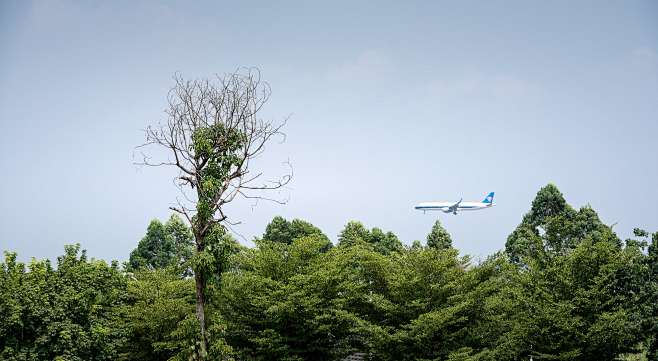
<point>213,133</point>
<point>439,238</point>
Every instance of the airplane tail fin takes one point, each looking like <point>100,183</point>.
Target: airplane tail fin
<point>488,198</point>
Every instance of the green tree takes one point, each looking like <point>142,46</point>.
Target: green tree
<point>164,245</point>
<point>439,238</point>
<point>431,317</point>
<point>278,230</point>
<point>582,305</point>
<point>295,302</point>
<point>385,243</point>
<point>355,233</point>
<point>158,302</point>
<point>63,313</point>
<point>283,231</point>
<point>183,240</point>
<point>254,297</point>
<point>552,227</point>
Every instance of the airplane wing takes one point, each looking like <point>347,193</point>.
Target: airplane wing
<point>455,206</point>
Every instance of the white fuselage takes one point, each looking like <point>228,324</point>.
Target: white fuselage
<point>449,207</point>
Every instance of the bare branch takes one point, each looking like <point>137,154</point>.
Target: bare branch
<point>285,201</point>
<point>230,103</point>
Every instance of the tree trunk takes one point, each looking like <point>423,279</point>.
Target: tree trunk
<point>201,300</point>
<point>200,315</point>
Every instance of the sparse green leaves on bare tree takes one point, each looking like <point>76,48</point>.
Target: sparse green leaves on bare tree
<point>214,131</point>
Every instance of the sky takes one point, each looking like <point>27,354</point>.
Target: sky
<point>390,104</point>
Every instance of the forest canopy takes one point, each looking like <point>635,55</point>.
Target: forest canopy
<point>565,287</point>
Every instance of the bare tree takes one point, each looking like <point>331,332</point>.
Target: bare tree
<point>212,134</point>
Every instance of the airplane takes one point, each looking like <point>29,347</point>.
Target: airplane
<point>453,207</point>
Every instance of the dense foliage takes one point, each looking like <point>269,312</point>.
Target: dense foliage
<point>62,313</point>
<point>165,245</point>
<point>439,237</point>
<point>565,288</point>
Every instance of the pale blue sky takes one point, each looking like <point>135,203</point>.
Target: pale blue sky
<point>392,103</point>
